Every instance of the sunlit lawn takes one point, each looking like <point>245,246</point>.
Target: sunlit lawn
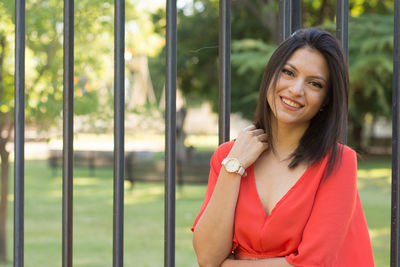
<point>374,178</point>
<point>144,217</point>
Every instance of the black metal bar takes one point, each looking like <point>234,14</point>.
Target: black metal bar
<point>170,133</point>
<point>296,15</point>
<point>19,133</point>
<point>342,33</point>
<point>395,226</point>
<point>119,107</point>
<point>285,19</point>
<point>68,134</point>
<point>224,70</point>
<point>342,23</point>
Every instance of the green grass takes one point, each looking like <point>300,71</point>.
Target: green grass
<point>144,217</point>
<point>374,184</point>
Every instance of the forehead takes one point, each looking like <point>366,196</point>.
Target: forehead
<point>310,62</point>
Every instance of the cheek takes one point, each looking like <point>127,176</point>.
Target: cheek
<point>270,99</point>
<point>318,100</point>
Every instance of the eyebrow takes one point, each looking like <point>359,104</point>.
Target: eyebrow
<point>314,76</point>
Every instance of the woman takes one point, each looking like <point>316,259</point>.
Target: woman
<point>284,192</point>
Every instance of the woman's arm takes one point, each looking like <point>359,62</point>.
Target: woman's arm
<point>273,262</point>
<point>212,237</point>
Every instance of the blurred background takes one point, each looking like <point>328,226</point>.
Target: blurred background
<point>254,34</point>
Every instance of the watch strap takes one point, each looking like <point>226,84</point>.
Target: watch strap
<point>242,171</point>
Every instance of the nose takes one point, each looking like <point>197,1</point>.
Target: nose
<point>297,89</point>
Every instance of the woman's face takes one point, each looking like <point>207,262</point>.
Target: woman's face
<point>301,88</point>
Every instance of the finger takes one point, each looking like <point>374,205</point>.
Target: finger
<point>265,145</point>
<point>257,132</point>
<point>263,137</point>
<point>250,127</point>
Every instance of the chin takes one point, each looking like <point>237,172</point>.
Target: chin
<point>292,121</point>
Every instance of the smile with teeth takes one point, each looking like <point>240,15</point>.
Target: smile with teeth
<point>291,103</point>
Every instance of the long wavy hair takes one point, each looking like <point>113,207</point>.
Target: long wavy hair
<point>326,127</point>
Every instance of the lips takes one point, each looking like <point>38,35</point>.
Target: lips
<point>291,103</point>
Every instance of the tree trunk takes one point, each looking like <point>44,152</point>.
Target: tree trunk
<point>4,154</point>
<point>181,154</point>
<point>356,135</point>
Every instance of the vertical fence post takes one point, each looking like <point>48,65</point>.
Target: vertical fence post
<point>224,70</point>
<point>296,15</point>
<point>289,18</point>
<point>19,118</point>
<point>170,133</point>
<point>395,227</point>
<point>342,33</point>
<point>285,19</point>
<point>68,133</point>
<point>342,23</point>
<point>119,107</point>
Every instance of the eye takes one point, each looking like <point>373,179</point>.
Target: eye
<point>316,84</point>
<point>288,72</point>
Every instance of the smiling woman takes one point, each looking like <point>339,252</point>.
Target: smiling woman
<point>300,90</point>
<point>298,205</point>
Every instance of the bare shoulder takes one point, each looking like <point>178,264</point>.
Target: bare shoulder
<point>222,151</point>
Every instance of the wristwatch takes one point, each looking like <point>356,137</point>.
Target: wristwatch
<point>232,165</point>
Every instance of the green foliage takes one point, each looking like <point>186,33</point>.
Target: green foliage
<point>44,56</point>
<point>371,65</point>
<point>7,54</point>
<point>253,31</point>
<point>250,55</point>
<point>198,50</point>
<point>254,27</point>
<point>319,12</point>
<point>249,58</point>
<point>93,55</point>
<point>197,57</point>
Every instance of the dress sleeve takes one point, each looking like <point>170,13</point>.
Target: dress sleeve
<point>215,168</point>
<point>331,216</point>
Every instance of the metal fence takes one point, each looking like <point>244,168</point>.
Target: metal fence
<point>289,21</point>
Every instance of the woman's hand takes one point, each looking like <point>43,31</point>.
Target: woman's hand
<point>249,145</point>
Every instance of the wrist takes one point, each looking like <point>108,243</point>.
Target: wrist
<point>241,160</point>
<point>233,165</point>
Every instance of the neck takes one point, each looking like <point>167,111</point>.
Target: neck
<point>286,138</point>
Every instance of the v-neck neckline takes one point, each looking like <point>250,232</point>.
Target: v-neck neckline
<point>254,186</point>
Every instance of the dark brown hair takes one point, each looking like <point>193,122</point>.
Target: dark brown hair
<point>325,129</point>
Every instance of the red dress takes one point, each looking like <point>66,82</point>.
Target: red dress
<point>317,223</point>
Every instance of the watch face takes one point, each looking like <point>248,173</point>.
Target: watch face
<point>232,165</point>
